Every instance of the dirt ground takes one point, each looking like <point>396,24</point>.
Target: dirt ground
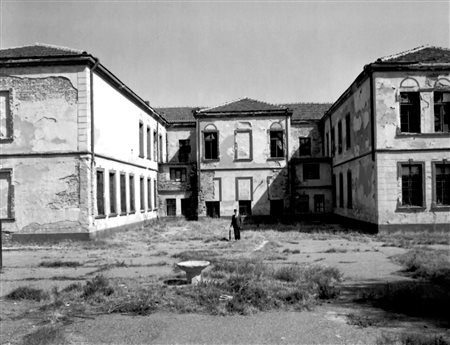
<point>147,255</point>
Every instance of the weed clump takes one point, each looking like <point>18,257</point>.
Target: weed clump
<point>52,264</point>
<point>98,286</point>
<point>27,293</point>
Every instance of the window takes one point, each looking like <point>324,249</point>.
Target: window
<point>348,139</point>
<point>305,147</point>
<point>442,184</point>
<point>123,194</point>
<point>245,207</point>
<point>171,205</point>
<point>334,191</point>
<point>311,171</point>
<point>100,193</point>
<point>184,150</point>
<point>303,203</point>
<point>5,116</point>
<point>211,147</point>
<point>132,190</point>
<point>244,188</point>
<point>410,112</point>
<point>276,144</point>
<point>340,137</point>
<point>412,191</point>
<point>341,190</point>
<point>141,140</point>
<point>319,203</point>
<point>112,193</point>
<point>141,193</point>
<point>178,174</point>
<point>213,209</point>
<point>155,146</point>
<point>149,143</point>
<point>442,111</point>
<point>333,141</point>
<point>277,208</point>
<point>243,145</point>
<point>149,194</point>
<point>6,195</point>
<point>155,195</point>
<point>349,190</point>
<point>160,147</point>
<point>327,144</point>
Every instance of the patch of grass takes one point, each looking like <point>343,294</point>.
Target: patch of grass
<point>59,263</point>
<point>412,339</point>
<point>47,335</point>
<point>99,285</point>
<point>27,293</point>
<point>289,251</point>
<point>364,321</point>
<point>408,239</point>
<point>73,287</point>
<point>336,250</point>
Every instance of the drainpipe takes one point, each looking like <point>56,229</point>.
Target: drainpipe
<point>288,127</point>
<point>197,127</point>
<point>372,114</point>
<point>91,75</point>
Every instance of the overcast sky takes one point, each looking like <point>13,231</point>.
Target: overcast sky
<point>204,53</point>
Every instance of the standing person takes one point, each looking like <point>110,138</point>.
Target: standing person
<point>236,223</point>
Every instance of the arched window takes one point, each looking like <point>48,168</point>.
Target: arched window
<point>210,142</point>
<point>276,134</point>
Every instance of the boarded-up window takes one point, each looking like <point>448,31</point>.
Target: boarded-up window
<point>112,193</point>
<point>243,145</point>
<point>132,189</point>
<point>217,189</point>
<point>6,195</point>
<point>100,193</point>
<point>123,194</point>
<point>244,186</point>
<point>5,116</point>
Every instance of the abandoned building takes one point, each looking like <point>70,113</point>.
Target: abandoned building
<point>81,152</point>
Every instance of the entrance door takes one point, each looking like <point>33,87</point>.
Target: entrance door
<point>171,207</point>
<point>185,207</point>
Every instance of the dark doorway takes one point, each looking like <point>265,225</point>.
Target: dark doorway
<point>186,207</point>
<point>213,209</point>
<point>276,208</point>
<point>171,207</point>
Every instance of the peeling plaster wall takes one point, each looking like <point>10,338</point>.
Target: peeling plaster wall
<point>390,190</point>
<point>388,86</point>
<point>173,137</point>
<point>301,130</point>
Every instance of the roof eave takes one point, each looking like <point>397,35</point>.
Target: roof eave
<point>201,114</point>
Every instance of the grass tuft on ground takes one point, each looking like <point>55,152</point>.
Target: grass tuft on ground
<point>27,293</point>
<point>58,263</point>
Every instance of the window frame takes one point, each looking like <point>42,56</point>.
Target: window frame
<point>155,146</point>
<point>249,131</point>
<point>149,195</point>
<point>410,105</point>
<point>123,197</point>
<point>149,143</point>
<point>282,156</point>
<point>348,138</point>
<point>142,193</point>
<point>174,200</point>
<point>9,116</point>
<point>10,197</point>
<point>155,195</point>
<point>237,179</point>
<point>248,206</point>
<point>434,205</point>
<point>400,205</point>
<point>112,192</point>
<point>307,177</point>
<point>319,199</point>
<point>220,187</point>
<point>99,215</point>
<point>182,148</point>
<point>340,137</point>
<point>174,170</point>
<point>131,194</point>
<point>349,189</point>
<point>141,139</point>
<point>441,105</point>
<point>300,145</point>
<point>204,133</point>
<point>341,190</point>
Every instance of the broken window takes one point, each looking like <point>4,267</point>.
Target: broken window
<point>442,112</point>
<point>5,116</point>
<point>211,147</point>
<point>303,203</point>
<point>141,193</point>
<point>178,174</point>
<point>319,203</point>
<point>349,190</point>
<point>276,144</point>
<point>245,207</point>
<point>341,190</point>
<point>243,145</point>
<point>132,190</point>
<point>149,143</point>
<point>348,140</point>
<point>340,137</point>
<point>412,191</point>
<point>184,150</point>
<point>112,193</point>
<point>100,193</point>
<point>311,171</point>
<point>305,147</point>
<point>123,194</point>
<point>410,112</point>
<point>171,205</point>
<point>141,140</point>
<point>6,195</point>
<point>442,187</point>
<point>213,209</point>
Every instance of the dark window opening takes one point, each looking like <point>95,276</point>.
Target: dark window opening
<point>160,148</point>
<point>412,193</point>
<point>100,193</point>
<point>319,203</point>
<point>178,174</point>
<point>305,147</point>
<point>155,146</point>
<point>341,190</point>
<point>149,195</point>
<point>213,209</point>
<point>123,194</point>
<point>149,143</point>
<point>348,139</point>
<point>184,150</point>
<point>334,191</point>
<point>211,147</point>
<point>171,207</point>
<point>442,112</point>
<point>333,141</point>
<point>442,184</point>
<point>327,144</point>
<point>349,190</point>
<point>245,207</point>
<point>112,193</point>
<point>276,144</point>
<point>410,112</point>
<point>303,203</point>
<point>6,195</point>
<point>277,208</point>
<point>132,189</point>
<point>311,171</point>
<point>340,137</point>
<point>141,139</point>
<point>155,195</point>
<point>141,194</point>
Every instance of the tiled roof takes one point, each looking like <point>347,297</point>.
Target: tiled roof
<point>177,114</point>
<point>424,54</point>
<point>243,105</point>
<point>38,50</point>
<point>307,111</point>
